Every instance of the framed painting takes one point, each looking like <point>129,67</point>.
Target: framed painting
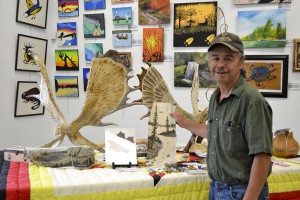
<point>122,38</point>
<point>237,2</point>
<point>66,34</point>
<point>154,12</point>
<point>184,69</point>
<point>195,24</point>
<point>121,1</point>
<point>32,13</point>
<point>90,49</point>
<point>94,4</point>
<point>67,60</point>
<point>25,46</point>
<point>262,28</point>
<point>68,8</point>
<point>66,86</point>
<point>94,25</point>
<point>122,16</point>
<point>153,44</point>
<point>296,66</point>
<point>27,99</point>
<point>268,73</point>
<point>86,77</point>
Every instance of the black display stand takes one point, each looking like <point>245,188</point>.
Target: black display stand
<point>121,165</point>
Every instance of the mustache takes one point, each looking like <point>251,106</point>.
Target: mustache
<point>220,70</point>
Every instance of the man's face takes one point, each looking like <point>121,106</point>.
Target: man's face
<point>225,65</point>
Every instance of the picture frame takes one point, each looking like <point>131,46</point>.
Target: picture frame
<point>25,46</point>
<point>268,73</point>
<point>66,86</point>
<point>68,8</point>
<point>296,59</point>
<point>67,60</point>
<point>32,14</point>
<point>27,104</point>
<point>122,15</point>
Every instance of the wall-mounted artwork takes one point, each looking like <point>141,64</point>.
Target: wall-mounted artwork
<point>86,77</point>
<point>94,25</point>
<point>122,15</point>
<point>195,24</point>
<point>268,73</point>
<point>66,34</point>
<point>27,99</point>
<point>67,60</point>
<point>68,8</point>
<point>154,12</point>
<point>260,1</point>
<point>32,13</point>
<point>25,46</point>
<point>184,69</point>
<point>296,60</point>
<point>91,49</point>
<point>121,1</point>
<point>153,44</point>
<point>262,28</point>
<point>122,38</point>
<point>66,86</point>
<point>94,4</point>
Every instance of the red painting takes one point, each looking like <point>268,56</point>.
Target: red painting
<point>153,44</point>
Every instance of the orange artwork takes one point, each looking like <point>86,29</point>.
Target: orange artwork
<point>153,44</point>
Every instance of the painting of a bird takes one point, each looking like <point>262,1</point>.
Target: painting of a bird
<point>33,9</point>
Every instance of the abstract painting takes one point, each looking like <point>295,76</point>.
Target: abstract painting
<point>262,28</point>
<point>66,34</point>
<point>68,8</point>
<point>67,60</point>
<point>122,38</point>
<point>153,44</point>
<point>122,15</point>
<point>27,99</point>
<point>154,12</point>
<point>66,86</point>
<point>94,4</point>
<point>91,49</point>
<point>94,25</point>
<point>86,77</point>
<point>184,69</point>
<point>260,1</point>
<point>24,56</point>
<point>195,24</point>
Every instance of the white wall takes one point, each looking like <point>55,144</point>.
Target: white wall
<point>36,130</point>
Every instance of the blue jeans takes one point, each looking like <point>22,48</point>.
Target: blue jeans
<point>223,191</point>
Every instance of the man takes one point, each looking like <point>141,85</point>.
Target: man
<point>239,127</point>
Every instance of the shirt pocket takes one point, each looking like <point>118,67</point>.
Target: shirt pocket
<point>231,137</point>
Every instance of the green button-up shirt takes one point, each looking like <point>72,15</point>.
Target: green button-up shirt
<point>238,127</point>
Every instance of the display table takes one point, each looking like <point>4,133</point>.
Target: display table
<point>29,181</point>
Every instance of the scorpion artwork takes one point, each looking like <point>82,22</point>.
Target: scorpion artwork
<point>32,95</point>
<point>107,93</point>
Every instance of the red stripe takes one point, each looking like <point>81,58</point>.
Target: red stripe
<point>294,195</point>
<point>18,184</point>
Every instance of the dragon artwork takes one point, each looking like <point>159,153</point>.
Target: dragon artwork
<point>107,93</point>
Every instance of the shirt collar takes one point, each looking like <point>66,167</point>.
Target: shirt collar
<point>236,89</point>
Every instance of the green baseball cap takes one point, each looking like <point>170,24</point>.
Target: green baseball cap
<point>230,40</point>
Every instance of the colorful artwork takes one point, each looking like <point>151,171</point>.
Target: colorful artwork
<point>122,38</point>
<point>184,69</point>
<point>195,24</point>
<point>154,12</point>
<point>122,15</point>
<point>86,77</point>
<point>153,44</point>
<point>262,28</point>
<point>66,86</point>
<point>90,49</point>
<point>121,1</point>
<point>94,25</point>
<point>66,34</point>
<point>67,59</point>
<point>260,1</point>
<point>94,4</point>
<point>126,56</point>
<point>68,8</point>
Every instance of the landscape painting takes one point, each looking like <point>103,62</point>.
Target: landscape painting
<point>91,49</point>
<point>66,34</point>
<point>262,28</point>
<point>153,44</point>
<point>184,69</point>
<point>154,12</point>
<point>94,4</point>
<point>94,25</point>
<point>122,38</point>
<point>122,15</point>
<point>260,1</point>
<point>66,86</point>
<point>68,8</point>
<point>67,60</point>
<point>195,24</point>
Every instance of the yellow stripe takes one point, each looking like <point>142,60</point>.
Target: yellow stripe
<point>284,182</point>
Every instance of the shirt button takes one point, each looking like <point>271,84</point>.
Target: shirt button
<point>214,136</point>
<point>216,119</point>
<point>212,153</point>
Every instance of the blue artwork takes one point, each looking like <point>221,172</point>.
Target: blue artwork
<point>86,77</point>
<point>66,34</point>
<point>94,4</point>
<point>91,49</point>
<point>122,15</point>
<point>122,38</point>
